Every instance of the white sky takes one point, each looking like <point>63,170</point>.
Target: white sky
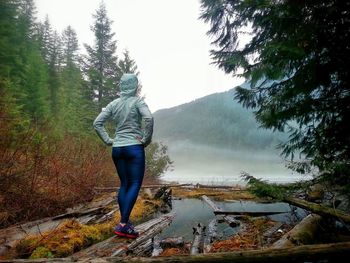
<point>164,37</point>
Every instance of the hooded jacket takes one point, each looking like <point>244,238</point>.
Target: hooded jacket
<point>131,115</point>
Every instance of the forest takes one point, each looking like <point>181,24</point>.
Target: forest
<point>53,167</point>
<point>51,92</point>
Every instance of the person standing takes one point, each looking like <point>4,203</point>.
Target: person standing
<point>134,129</point>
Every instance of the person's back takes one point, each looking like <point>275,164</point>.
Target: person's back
<point>127,112</point>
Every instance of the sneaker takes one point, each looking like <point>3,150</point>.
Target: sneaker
<point>126,231</point>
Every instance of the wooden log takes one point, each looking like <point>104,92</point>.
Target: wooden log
<point>214,206</point>
<point>172,242</point>
<point>157,249</point>
<point>302,234</point>
<point>144,249</point>
<point>198,238</point>
<point>83,213</point>
<point>229,219</point>
<point>249,213</point>
<point>118,246</point>
<point>147,235</point>
<point>211,236</point>
<point>334,252</point>
<point>321,210</point>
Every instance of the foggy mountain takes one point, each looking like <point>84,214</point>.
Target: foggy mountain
<point>213,139</point>
<point>216,120</point>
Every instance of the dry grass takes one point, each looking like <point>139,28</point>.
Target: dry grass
<point>72,236</point>
<point>215,194</point>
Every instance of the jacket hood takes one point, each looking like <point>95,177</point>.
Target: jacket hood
<point>128,85</point>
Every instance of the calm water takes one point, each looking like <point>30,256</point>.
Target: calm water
<point>189,212</point>
<point>217,166</point>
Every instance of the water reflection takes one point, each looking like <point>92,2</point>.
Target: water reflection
<point>189,212</point>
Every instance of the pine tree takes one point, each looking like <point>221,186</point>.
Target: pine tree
<point>297,63</point>
<point>76,114</point>
<point>127,64</point>
<point>101,66</point>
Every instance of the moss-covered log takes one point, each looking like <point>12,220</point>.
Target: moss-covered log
<point>319,209</point>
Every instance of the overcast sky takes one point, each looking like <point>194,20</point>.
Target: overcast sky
<point>164,37</point>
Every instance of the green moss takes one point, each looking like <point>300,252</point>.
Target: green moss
<point>41,252</point>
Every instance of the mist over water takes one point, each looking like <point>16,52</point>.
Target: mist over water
<point>209,165</point>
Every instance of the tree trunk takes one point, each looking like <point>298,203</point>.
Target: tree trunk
<point>302,234</point>
<point>319,209</point>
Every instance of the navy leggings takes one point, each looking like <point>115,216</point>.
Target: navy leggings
<point>130,164</point>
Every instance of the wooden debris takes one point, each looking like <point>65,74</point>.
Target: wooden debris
<point>248,213</point>
<point>211,236</point>
<point>229,219</point>
<point>319,209</point>
<point>198,239</point>
<point>84,213</point>
<point>157,249</point>
<point>302,234</point>
<point>172,242</point>
<point>118,246</point>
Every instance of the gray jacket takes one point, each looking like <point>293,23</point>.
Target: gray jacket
<point>127,112</point>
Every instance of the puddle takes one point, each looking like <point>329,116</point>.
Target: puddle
<point>189,212</point>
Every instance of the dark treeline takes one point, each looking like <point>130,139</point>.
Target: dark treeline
<point>49,95</point>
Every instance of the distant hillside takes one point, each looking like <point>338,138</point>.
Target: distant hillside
<point>216,120</point>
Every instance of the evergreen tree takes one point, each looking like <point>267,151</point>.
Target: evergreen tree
<point>76,114</point>
<point>297,62</point>
<point>127,64</point>
<point>101,67</point>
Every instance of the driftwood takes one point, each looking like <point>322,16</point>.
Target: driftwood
<point>302,234</point>
<point>319,209</point>
<point>198,239</point>
<point>157,249</point>
<point>172,242</point>
<point>211,236</point>
<point>84,213</point>
<point>229,219</point>
<point>272,230</point>
<point>247,213</point>
<point>118,246</point>
<point>334,252</point>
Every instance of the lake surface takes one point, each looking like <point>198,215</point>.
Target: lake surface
<point>190,212</point>
<point>224,167</point>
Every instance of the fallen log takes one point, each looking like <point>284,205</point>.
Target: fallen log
<point>157,249</point>
<point>172,242</point>
<point>334,252</point>
<point>229,219</point>
<point>212,235</point>
<point>144,237</point>
<point>302,234</point>
<point>198,238</point>
<point>248,213</point>
<point>84,213</point>
<point>119,245</point>
<point>321,210</point>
